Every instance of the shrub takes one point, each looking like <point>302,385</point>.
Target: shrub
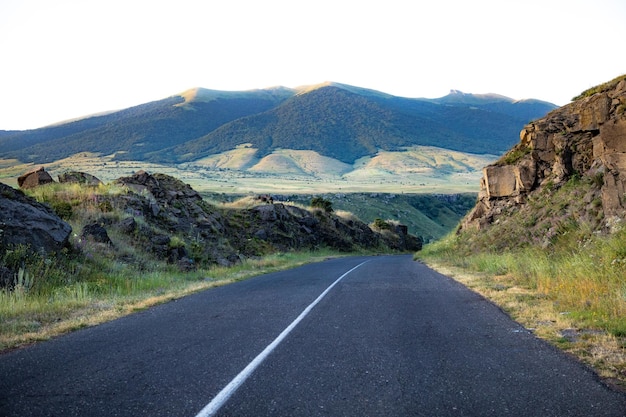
<point>381,224</point>
<point>515,155</point>
<point>63,209</point>
<point>322,203</point>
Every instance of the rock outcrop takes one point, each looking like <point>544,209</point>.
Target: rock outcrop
<point>162,217</point>
<point>171,203</point>
<point>24,221</point>
<point>586,138</point>
<point>177,225</point>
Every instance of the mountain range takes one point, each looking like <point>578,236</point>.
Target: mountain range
<point>335,120</point>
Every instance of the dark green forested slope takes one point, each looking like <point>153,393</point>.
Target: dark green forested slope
<point>335,120</point>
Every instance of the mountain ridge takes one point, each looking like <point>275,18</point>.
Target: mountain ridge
<point>336,120</point>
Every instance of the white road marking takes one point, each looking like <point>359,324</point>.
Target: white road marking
<point>220,399</point>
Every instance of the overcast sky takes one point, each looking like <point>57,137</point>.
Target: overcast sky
<point>62,59</point>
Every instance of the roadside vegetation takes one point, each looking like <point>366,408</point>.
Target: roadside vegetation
<point>552,270</point>
<point>55,295</point>
<point>91,282</point>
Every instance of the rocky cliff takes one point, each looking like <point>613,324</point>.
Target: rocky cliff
<point>583,141</point>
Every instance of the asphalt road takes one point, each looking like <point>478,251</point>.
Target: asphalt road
<point>389,338</point>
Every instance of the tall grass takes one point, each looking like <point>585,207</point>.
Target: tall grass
<point>91,291</point>
<point>585,278</point>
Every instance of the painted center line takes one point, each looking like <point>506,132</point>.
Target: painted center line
<point>220,399</point>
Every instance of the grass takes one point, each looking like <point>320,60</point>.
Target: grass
<point>514,155</point>
<point>98,290</point>
<point>418,169</point>
<point>600,88</point>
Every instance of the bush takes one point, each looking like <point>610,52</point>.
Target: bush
<point>63,209</point>
<point>322,203</point>
<point>515,155</point>
<point>380,224</point>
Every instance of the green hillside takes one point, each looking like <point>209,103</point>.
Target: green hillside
<point>430,216</point>
<point>346,125</point>
<point>135,132</point>
<point>335,120</point>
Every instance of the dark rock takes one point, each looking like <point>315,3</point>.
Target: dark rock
<point>34,178</point>
<point>95,232</point>
<point>128,225</point>
<point>76,177</point>
<point>160,240</point>
<point>175,205</point>
<point>223,262</point>
<point>7,277</point>
<point>261,234</point>
<point>24,221</point>
<point>186,264</point>
<point>175,255</point>
<point>268,213</point>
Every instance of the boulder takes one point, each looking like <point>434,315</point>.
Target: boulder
<point>95,232</point>
<point>24,221</point>
<point>34,178</point>
<point>128,225</point>
<point>76,177</point>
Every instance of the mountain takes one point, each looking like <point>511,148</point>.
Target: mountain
<point>136,131</point>
<point>526,109</point>
<point>336,120</point>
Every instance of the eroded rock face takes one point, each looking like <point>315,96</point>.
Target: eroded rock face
<point>500,181</point>
<point>169,201</point>
<point>24,221</point>
<point>586,138</point>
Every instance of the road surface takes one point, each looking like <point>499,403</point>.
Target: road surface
<point>360,336</point>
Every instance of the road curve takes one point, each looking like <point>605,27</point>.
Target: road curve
<point>389,338</point>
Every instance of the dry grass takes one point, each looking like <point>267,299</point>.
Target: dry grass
<point>602,351</point>
<point>415,170</point>
<point>346,215</point>
<point>573,294</point>
<point>31,316</point>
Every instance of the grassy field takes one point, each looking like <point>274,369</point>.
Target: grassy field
<point>414,170</point>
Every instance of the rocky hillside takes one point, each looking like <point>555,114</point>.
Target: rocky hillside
<point>568,171</point>
<point>149,217</point>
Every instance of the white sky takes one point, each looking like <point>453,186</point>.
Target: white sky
<point>61,59</point>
